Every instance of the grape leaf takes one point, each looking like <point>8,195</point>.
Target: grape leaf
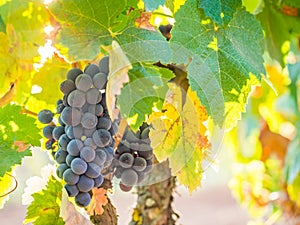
<point>222,63</point>
<point>45,208</point>
<point>220,11</point>
<point>15,126</point>
<point>98,201</point>
<point>184,124</point>
<point>151,5</point>
<point>147,89</point>
<point>278,28</point>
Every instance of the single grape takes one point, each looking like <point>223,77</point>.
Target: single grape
<point>83,82</point>
<point>98,181</point>
<point>95,109</point>
<point>73,74</point>
<point>72,190</point>
<point>99,80</point>
<point>83,199</point>
<point>45,116</point>
<point>76,98</point>
<point>101,138</point>
<point>70,177</point>
<point>87,154</point>
<point>61,169</point>
<point>139,164</point>
<point>71,116</point>
<point>91,70</point>
<point>104,123</point>
<point>93,170</point>
<point>104,65</point>
<point>100,157</point>
<point>78,166</point>
<point>63,142</point>
<point>126,160</point>
<point>85,184</point>
<point>74,147</point>
<point>67,86</point>
<point>57,132</point>
<point>129,177</point>
<point>69,159</point>
<point>47,131</point>
<point>60,156</point>
<point>89,120</point>
<point>124,187</point>
<point>93,96</point>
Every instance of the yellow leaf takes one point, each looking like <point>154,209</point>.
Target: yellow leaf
<point>99,199</point>
<point>178,135</point>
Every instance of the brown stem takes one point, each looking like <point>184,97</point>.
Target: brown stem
<point>108,217</point>
<point>154,203</point>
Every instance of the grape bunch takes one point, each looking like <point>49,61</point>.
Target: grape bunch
<point>133,158</point>
<point>85,131</point>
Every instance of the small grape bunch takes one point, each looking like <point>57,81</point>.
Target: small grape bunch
<point>133,158</point>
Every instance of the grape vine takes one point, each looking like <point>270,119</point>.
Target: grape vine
<point>139,95</point>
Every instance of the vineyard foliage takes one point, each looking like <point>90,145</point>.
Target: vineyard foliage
<point>227,68</point>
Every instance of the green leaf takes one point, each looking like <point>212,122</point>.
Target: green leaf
<point>16,131</point>
<point>147,89</point>
<point>222,63</point>
<point>278,29</point>
<point>2,25</point>
<point>151,5</point>
<point>45,208</point>
<point>220,11</point>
